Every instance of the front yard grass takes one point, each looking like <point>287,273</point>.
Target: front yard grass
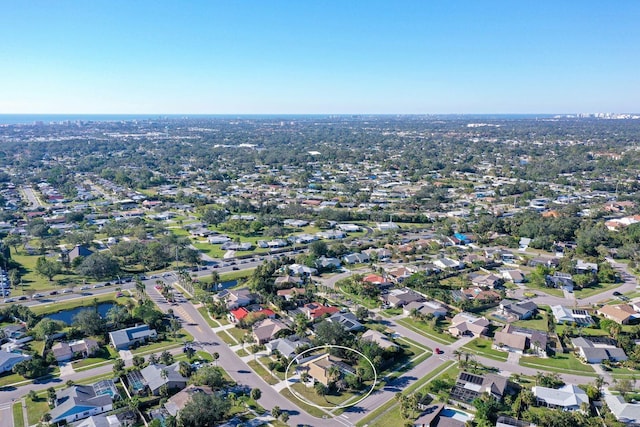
<point>237,333</point>
<point>562,363</point>
<point>262,372</point>
<point>482,347</point>
<point>228,339</point>
<point>205,313</point>
<point>167,343</point>
<point>105,354</point>
<point>538,322</point>
<point>596,289</point>
<point>424,329</point>
<point>312,410</point>
<point>36,409</point>
<point>18,417</point>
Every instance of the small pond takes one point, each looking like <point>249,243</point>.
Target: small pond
<point>67,315</point>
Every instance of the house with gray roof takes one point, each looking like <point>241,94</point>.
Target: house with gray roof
<point>347,320</point>
<point>285,346</point>
<point>568,398</point>
<point>8,360</point>
<point>598,349</point>
<point>155,379</point>
<point>81,401</point>
<point>124,338</point>
<point>628,413</point>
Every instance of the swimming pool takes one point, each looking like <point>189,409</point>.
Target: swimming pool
<point>455,414</point>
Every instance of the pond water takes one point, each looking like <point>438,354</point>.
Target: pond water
<point>67,315</point>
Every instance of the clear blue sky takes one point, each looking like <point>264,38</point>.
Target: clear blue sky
<point>314,56</point>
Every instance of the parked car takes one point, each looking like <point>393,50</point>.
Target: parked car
<point>67,291</point>
<point>37,296</point>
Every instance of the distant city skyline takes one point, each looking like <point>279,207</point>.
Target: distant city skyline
<point>329,57</point>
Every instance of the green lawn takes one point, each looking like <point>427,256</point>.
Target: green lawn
<point>205,313</point>
<point>391,312</point>
<point>18,416</point>
<point>370,303</point>
<point>105,354</point>
<point>262,372</point>
<point>242,352</point>
<point>482,347</point>
<point>10,378</point>
<point>539,322</point>
<point>424,329</point>
<point>228,339</point>
<point>168,343</point>
<point>35,410</point>
<point>35,282</point>
<point>237,333</point>
<point>312,410</point>
<point>309,394</point>
<point>593,290</point>
<point>563,363</point>
<point>550,291</point>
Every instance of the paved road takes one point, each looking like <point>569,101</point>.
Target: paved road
<point>195,324</point>
<point>32,198</point>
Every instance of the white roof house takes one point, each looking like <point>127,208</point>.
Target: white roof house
<point>628,413</point>
<point>569,397</point>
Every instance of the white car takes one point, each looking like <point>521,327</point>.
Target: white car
<point>84,288</point>
<point>67,291</point>
<point>99,285</point>
<point>37,295</point>
<point>7,300</point>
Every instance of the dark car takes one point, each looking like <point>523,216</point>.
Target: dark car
<point>616,294</point>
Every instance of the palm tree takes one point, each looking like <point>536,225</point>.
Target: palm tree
<point>215,278</point>
<point>140,288</point>
<point>216,356</point>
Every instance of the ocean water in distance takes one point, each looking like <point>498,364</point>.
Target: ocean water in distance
<point>29,119</point>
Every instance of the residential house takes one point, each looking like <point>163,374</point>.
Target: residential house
<point>254,312</point>
<point>234,298</point>
<point>267,329</point>
<point>483,295</point>
<point>425,308</point>
<point>349,228</point>
<point>628,413</point>
<point>583,267</point>
<point>469,387</point>
<point>8,360</point>
<point>568,315</point>
<point>325,263</point>
<point>290,294</point>
<point>315,311</point>
<point>320,368</point>
<point>377,280</point>
<point>486,280</point>
<point>514,276</point>
<point>519,340</point>
<point>465,324</point>
<point>560,280</point>
<point>102,420</point>
<point>287,281</point>
<point>623,314</point>
<point>379,338</point>
<point>286,346</point>
<point>356,258</point>
<point>79,251</point>
<point>568,398</point>
<point>81,401</point>
<point>398,275</point>
<point>402,297</point>
<point>158,375</point>
<point>505,421</point>
<point>302,270</point>
<point>598,349</point>
<point>517,310</point>
<point>178,401</point>
<point>380,254</point>
<point>347,320</point>
<point>448,263</point>
<point>65,351</point>
<point>122,339</point>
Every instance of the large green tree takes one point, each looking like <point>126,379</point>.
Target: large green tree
<point>204,410</point>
